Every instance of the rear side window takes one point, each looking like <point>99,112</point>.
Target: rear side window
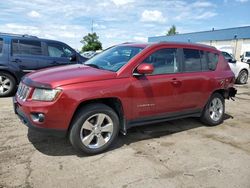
<point>212,60</point>
<point>26,47</point>
<point>192,60</point>
<point>1,46</point>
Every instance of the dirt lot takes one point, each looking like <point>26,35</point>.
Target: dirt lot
<point>181,153</point>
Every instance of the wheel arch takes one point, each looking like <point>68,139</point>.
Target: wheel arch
<point>226,93</point>
<point>11,73</point>
<point>113,102</point>
<point>244,69</point>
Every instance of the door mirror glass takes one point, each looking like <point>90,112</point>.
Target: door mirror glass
<point>145,68</point>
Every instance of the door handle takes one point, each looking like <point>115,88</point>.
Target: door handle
<point>17,60</point>
<point>176,82</point>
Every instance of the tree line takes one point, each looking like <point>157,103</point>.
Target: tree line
<point>91,40</point>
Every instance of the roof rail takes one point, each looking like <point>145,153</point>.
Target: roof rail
<point>19,35</point>
<point>192,43</point>
<point>128,42</point>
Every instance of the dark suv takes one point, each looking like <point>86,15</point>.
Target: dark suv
<point>124,86</point>
<point>21,54</point>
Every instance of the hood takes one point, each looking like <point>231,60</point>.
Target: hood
<point>64,75</point>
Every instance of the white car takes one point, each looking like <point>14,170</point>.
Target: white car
<point>245,57</point>
<point>240,69</point>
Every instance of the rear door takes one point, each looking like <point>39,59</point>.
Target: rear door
<point>195,79</point>
<point>27,54</point>
<point>58,53</point>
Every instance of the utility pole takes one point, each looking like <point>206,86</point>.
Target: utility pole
<point>235,48</point>
<point>92,26</point>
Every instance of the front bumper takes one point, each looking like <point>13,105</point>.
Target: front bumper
<point>18,109</point>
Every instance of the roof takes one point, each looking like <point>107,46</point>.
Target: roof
<point>25,36</point>
<point>221,34</point>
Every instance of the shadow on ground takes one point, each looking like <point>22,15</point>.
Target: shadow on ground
<point>54,146</point>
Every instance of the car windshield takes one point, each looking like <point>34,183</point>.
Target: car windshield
<point>114,58</point>
<point>227,55</point>
<point>247,54</point>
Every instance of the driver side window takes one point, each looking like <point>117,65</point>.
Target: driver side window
<point>164,61</point>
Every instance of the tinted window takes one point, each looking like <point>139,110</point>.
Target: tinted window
<point>57,50</point>
<point>192,60</point>
<point>204,62</point>
<point>247,54</point>
<point>164,61</point>
<point>212,60</point>
<point>1,46</point>
<point>26,47</point>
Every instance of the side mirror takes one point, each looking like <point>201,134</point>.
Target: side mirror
<point>144,68</point>
<point>231,60</point>
<point>241,56</point>
<point>73,58</point>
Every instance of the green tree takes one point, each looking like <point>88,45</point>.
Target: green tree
<point>172,30</point>
<point>91,43</point>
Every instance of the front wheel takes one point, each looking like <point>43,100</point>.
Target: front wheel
<point>7,84</point>
<point>243,77</point>
<point>213,113</point>
<point>95,127</point>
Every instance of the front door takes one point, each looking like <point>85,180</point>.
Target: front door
<point>58,54</point>
<point>156,94</point>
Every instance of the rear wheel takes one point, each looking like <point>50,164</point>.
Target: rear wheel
<point>243,77</point>
<point>214,110</point>
<point>7,84</point>
<point>95,127</point>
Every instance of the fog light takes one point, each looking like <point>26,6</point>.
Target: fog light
<point>37,117</point>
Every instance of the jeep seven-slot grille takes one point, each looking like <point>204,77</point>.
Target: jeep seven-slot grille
<point>23,91</point>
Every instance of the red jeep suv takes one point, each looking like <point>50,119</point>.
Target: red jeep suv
<point>126,85</point>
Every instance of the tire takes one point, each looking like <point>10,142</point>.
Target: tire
<point>90,136</point>
<point>7,84</point>
<point>243,77</point>
<point>213,115</point>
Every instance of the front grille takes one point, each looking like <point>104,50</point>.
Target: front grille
<point>23,91</point>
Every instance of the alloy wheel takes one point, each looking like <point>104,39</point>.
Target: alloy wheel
<point>216,109</point>
<point>96,131</point>
<point>243,77</point>
<point>5,84</point>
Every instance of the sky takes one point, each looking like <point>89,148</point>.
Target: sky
<point>118,21</point>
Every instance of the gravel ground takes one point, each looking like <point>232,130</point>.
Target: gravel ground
<point>180,153</point>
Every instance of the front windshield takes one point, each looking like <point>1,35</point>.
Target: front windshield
<point>227,55</point>
<point>114,58</point>
<point>247,54</point>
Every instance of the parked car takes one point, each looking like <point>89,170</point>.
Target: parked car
<point>240,69</point>
<point>245,57</point>
<point>125,86</point>
<point>21,54</point>
<point>90,54</point>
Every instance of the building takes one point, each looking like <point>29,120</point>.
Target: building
<point>233,40</point>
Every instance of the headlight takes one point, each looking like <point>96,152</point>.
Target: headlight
<point>45,94</point>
